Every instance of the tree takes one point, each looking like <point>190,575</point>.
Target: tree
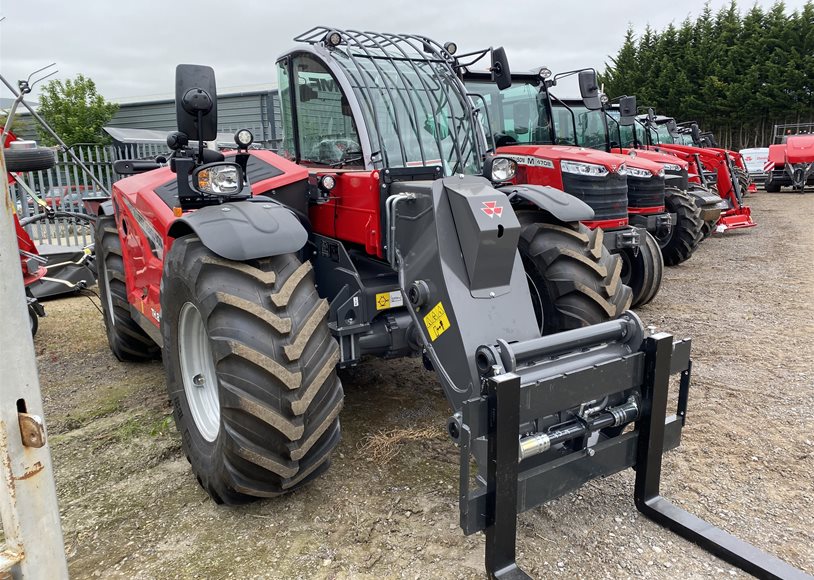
<point>736,74</point>
<point>75,111</point>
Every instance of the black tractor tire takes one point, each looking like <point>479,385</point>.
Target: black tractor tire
<point>643,270</point>
<point>771,186</point>
<point>272,361</point>
<point>744,180</point>
<point>127,340</point>
<point>687,232</point>
<point>33,320</point>
<point>21,160</point>
<point>573,279</point>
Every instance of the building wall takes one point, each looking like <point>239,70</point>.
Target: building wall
<point>259,112</point>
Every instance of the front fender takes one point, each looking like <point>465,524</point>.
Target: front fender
<point>561,205</point>
<point>244,230</point>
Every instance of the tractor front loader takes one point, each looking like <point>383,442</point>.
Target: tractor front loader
<point>383,234</point>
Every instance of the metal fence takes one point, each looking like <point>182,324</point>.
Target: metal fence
<point>66,186</point>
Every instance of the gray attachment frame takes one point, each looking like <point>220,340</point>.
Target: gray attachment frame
<point>245,230</point>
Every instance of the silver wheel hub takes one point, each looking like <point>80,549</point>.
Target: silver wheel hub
<point>198,372</point>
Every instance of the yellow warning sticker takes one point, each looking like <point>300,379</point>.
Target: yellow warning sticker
<point>385,300</point>
<point>436,321</point>
<point>382,300</point>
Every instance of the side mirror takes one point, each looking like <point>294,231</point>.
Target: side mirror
<point>651,115</point>
<point>695,132</point>
<point>672,127</point>
<point>627,111</point>
<point>501,74</point>
<point>196,106</point>
<point>589,89</point>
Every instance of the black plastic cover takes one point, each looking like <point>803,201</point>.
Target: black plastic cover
<point>245,230</point>
<point>561,205</point>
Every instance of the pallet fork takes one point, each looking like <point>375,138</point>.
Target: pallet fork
<point>512,395</point>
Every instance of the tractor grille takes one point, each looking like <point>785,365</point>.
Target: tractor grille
<point>645,192</point>
<point>607,195</point>
<point>683,183</point>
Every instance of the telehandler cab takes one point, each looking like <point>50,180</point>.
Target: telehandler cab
<point>256,276</point>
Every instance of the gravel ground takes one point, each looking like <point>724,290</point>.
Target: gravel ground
<point>131,507</point>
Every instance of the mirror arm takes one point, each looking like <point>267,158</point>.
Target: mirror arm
<point>200,137</point>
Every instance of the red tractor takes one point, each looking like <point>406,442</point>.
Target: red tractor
<point>719,168</point>
<point>617,188</point>
<point>382,231</point>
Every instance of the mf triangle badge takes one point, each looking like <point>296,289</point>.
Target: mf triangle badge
<point>492,209</point>
<point>436,321</point>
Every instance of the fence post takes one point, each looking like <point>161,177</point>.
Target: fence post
<point>28,502</point>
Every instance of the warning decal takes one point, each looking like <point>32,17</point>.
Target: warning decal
<point>436,321</point>
<point>385,300</point>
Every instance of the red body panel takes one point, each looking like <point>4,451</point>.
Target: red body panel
<point>738,215</point>
<point>144,219</point>
<point>799,149</point>
<point>354,212</point>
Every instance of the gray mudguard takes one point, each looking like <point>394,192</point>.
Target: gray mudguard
<point>244,230</point>
<point>561,205</point>
<point>106,208</point>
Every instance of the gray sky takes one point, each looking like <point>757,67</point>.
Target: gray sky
<point>130,47</point>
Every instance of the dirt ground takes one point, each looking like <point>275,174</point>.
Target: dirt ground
<point>132,509</point>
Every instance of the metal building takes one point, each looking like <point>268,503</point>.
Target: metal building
<point>257,109</point>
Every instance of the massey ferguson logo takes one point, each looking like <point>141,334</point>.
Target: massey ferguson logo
<point>492,209</point>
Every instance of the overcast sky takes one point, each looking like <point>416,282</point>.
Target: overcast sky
<point>130,47</point>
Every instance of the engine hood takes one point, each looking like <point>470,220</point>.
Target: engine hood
<point>557,153</point>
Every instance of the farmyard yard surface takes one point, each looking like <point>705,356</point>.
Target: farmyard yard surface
<point>131,507</point>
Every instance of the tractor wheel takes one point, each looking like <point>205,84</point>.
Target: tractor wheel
<point>126,339</point>
<point>643,271</point>
<point>684,237</point>
<point>251,371</point>
<point>21,160</point>
<point>33,320</point>
<point>771,186</point>
<point>573,279</point>
<point>743,180</point>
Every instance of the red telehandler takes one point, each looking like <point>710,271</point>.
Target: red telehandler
<point>382,232</point>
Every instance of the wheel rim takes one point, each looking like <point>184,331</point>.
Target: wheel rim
<point>108,296</point>
<point>198,372</point>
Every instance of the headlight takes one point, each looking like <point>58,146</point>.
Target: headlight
<point>622,170</point>
<point>671,167</point>
<point>638,172</point>
<point>219,179</point>
<point>579,168</point>
<point>503,169</point>
<point>244,138</point>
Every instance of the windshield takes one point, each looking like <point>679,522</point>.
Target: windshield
<point>663,134</point>
<point>517,115</point>
<point>623,135</point>
<point>590,126</point>
<point>415,109</point>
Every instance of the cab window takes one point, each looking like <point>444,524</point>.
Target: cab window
<point>325,130</point>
